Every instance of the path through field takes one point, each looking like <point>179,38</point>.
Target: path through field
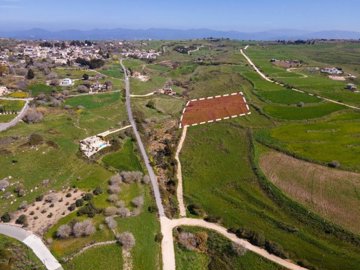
<point>262,75</point>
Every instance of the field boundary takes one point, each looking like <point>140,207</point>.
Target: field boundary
<point>218,119</point>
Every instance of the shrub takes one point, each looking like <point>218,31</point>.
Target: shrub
<point>111,222</point>
<point>238,250</point>
<point>72,207</point>
<point>33,116</point>
<point>146,179</point>
<point>89,209</point>
<point>159,237</point>
<point>35,139</point>
<point>194,209</point>
<point>88,197</point>
<point>152,209</point>
<point>114,189</point>
<point>275,249</point>
<point>115,180</point>
<point>131,177</point>
<point>138,201</point>
<point>98,191</point>
<point>123,212</point>
<point>22,220</point>
<point>212,219</point>
<point>79,202</point>
<point>127,240</point>
<point>334,164</point>
<point>39,198</point>
<point>110,211</point>
<point>113,198</point>
<point>84,228</point>
<point>68,195</point>
<point>5,218</point>
<point>257,239</point>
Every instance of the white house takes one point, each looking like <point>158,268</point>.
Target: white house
<point>4,91</point>
<point>66,82</point>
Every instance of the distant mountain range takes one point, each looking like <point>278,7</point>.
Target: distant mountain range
<point>173,34</point>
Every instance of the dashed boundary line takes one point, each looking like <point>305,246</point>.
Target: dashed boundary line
<point>218,119</point>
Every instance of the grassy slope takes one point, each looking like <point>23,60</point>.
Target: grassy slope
<point>124,159</point>
<point>217,255</point>
<point>323,141</point>
<point>334,194</point>
<point>106,257</point>
<point>19,255</point>
<point>62,164</point>
<point>225,186</point>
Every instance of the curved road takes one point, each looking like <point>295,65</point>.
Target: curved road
<point>5,126</point>
<point>34,243</point>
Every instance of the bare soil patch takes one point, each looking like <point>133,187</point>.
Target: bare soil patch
<point>41,215</point>
<point>334,194</point>
<point>205,110</point>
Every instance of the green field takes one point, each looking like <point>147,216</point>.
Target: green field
<point>60,161</point>
<point>11,105</point>
<point>301,113</point>
<point>124,159</point>
<point>225,186</point>
<point>39,88</point>
<point>322,142</point>
<point>105,257</point>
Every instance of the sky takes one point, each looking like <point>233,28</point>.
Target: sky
<point>238,15</point>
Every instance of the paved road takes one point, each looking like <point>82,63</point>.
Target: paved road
<point>34,243</point>
<point>294,89</point>
<point>5,126</point>
<point>150,170</point>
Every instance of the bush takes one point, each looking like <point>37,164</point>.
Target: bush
<point>138,201</point>
<point>97,191</point>
<point>111,223</point>
<point>64,231</point>
<point>22,220</point>
<point>159,237</point>
<point>238,250</point>
<point>110,211</point>
<point>39,198</point>
<point>5,218</point>
<point>90,210</point>
<point>35,139</point>
<point>84,228</point>
<point>194,209</point>
<point>79,202</point>
<point>152,209</point>
<point>114,189</point>
<point>127,240</point>
<point>113,198</point>
<point>212,219</point>
<point>72,207</point>
<point>88,197</point>
<point>33,116</point>
<point>334,164</point>
<point>275,249</point>
<point>257,239</point>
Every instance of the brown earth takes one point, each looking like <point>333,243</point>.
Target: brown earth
<point>333,194</point>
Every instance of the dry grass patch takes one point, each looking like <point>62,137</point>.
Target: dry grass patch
<point>334,194</point>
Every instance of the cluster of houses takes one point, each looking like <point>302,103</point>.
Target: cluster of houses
<point>140,54</point>
<point>58,55</point>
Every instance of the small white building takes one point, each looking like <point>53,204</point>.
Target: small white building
<point>91,145</point>
<point>4,91</point>
<point>66,82</point>
<point>332,71</point>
